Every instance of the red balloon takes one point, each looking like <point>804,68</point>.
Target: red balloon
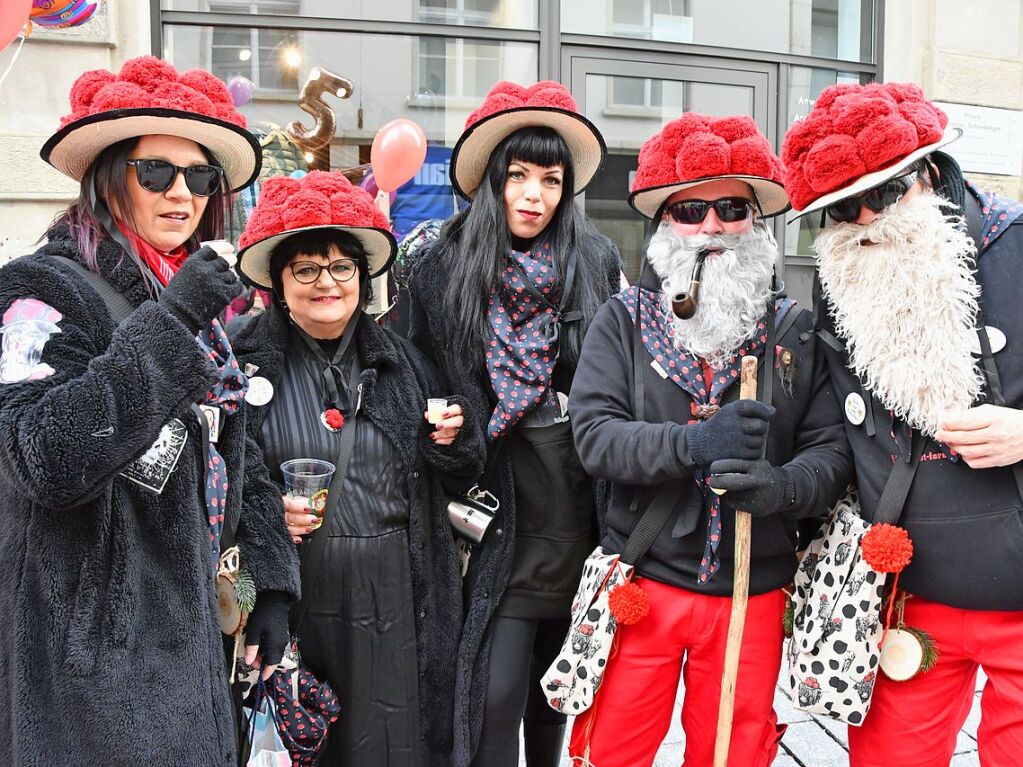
<point>398,151</point>
<point>13,17</point>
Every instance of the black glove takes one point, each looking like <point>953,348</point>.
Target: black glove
<point>738,430</point>
<point>753,486</point>
<point>200,290</point>
<point>267,627</point>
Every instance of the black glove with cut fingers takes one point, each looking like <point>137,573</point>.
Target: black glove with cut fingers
<point>738,430</point>
<point>266,631</point>
<point>753,486</point>
<point>201,289</point>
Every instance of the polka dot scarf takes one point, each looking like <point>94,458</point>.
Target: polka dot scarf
<point>689,373</point>
<point>997,213</point>
<point>524,323</point>
<point>227,394</point>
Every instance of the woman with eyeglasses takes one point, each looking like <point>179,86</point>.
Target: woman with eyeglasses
<point>382,606</point>
<point>123,473</point>
<point>501,302</point>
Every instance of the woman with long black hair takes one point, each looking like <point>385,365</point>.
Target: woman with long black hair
<point>501,302</point>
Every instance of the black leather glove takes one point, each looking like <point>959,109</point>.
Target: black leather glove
<point>267,629</point>
<point>753,486</point>
<point>738,430</point>
<point>201,289</point>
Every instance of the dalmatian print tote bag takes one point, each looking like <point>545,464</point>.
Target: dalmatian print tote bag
<point>834,655</point>
<point>571,682</point>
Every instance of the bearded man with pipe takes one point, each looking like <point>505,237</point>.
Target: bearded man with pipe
<point>706,184</point>
<point>919,303</point>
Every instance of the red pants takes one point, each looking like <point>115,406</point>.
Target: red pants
<point>632,711</point>
<point>916,722</point>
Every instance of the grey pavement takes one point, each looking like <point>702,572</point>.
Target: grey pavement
<point>810,741</point>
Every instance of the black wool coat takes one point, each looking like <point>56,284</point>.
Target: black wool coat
<point>431,330</point>
<point>111,651</point>
<point>396,382</point>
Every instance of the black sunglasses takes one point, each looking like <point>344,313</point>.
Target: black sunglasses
<point>727,209</point>
<point>877,199</point>
<point>308,272</point>
<point>159,175</point>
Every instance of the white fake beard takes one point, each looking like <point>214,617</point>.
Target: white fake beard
<point>905,307</point>
<point>735,287</point>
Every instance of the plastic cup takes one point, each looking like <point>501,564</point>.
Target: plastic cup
<point>308,479</point>
<point>435,410</point>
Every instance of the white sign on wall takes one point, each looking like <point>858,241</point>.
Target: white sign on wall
<point>992,140</point>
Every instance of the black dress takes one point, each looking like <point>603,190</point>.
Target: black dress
<point>359,631</point>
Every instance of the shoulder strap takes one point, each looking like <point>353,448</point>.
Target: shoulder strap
<point>896,489</point>
<point>118,306</point>
<point>655,516</point>
<point>971,215</point>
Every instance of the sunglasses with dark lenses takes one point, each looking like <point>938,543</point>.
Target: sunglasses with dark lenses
<point>877,199</point>
<point>308,272</point>
<point>727,209</point>
<point>159,175</point>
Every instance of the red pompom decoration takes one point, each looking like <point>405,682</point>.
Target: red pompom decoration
<point>335,418</point>
<point>887,548</point>
<point>629,604</point>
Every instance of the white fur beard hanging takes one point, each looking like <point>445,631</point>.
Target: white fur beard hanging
<point>735,288</point>
<point>905,307</point>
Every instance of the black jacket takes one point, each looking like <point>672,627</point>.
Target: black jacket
<point>492,566</point>
<point>111,649</point>
<point>965,524</point>
<point>805,435</point>
<point>396,382</point>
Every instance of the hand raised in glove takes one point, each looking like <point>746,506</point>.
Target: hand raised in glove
<point>753,486</point>
<point>266,632</point>
<point>738,430</point>
<point>201,289</point>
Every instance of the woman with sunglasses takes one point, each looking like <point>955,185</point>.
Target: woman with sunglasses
<point>501,302</point>
<point>119,492</point>
<point>382,606</point>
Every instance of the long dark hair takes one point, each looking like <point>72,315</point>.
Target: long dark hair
<point>107,172</point>
<point>476,242</point>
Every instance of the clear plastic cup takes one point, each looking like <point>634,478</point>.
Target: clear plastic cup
<point>435,410</point>
<point>308,479</point>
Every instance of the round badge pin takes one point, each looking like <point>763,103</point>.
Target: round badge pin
<point>260,391</point>
<point>855,409</point>
<point>994,336</point>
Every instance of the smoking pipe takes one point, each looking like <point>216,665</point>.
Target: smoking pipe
<point>684,303</point>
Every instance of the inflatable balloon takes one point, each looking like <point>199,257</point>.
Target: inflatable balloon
<point>61,14</point>
<point>398,151</point>
<point>241,89</point>
<point>13,17</point>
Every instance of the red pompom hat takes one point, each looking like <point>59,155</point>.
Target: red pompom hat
<point>510,107</point>
<point>857,137</point>
<point>319,200</point>
<point>695,149</point>
<point>149,96</point>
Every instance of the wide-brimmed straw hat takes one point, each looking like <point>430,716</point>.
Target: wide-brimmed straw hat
<point>319,200</point>
<point>696,149</point>
<point>148,96</point>
<point>510,107</point>
<point>857,137</point>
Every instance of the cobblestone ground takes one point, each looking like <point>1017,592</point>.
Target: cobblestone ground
<point>811,741</point>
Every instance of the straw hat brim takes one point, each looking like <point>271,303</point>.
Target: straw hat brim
<point>870,180</point>
<point>254,260</point>
<point>770,195</point>
<point>472,152</point>
<point>73,149</point>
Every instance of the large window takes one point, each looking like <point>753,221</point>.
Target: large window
<point>458,69</point>
<point>270,58</point>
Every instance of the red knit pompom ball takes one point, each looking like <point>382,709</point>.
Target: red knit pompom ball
<point>887,548</point>
<point>628,603</point>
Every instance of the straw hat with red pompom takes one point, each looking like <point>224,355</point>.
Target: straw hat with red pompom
<point>319,200</point>
<point>696,149</point>
<point>510,107</point>
<point>150,97</point>
<point>857,137</point>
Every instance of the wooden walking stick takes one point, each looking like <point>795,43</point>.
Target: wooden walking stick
<point>740,596</point>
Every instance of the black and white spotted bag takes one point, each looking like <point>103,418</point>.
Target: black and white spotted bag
<point>834,653</point>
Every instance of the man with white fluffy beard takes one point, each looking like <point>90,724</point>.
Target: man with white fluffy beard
<point>706,183</point>
<point>924,333</point>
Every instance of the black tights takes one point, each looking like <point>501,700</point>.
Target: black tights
<point>521,651</point>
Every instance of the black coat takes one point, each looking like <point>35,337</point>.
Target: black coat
<point>111,652</point>
<point>431,331</point>
<point>396,382</point>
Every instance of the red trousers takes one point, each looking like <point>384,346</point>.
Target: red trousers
<point>685,632</point>
<point>916,722</point>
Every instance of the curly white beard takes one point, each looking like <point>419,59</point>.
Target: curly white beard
<point>905,307</point>
<point>734,290</point>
